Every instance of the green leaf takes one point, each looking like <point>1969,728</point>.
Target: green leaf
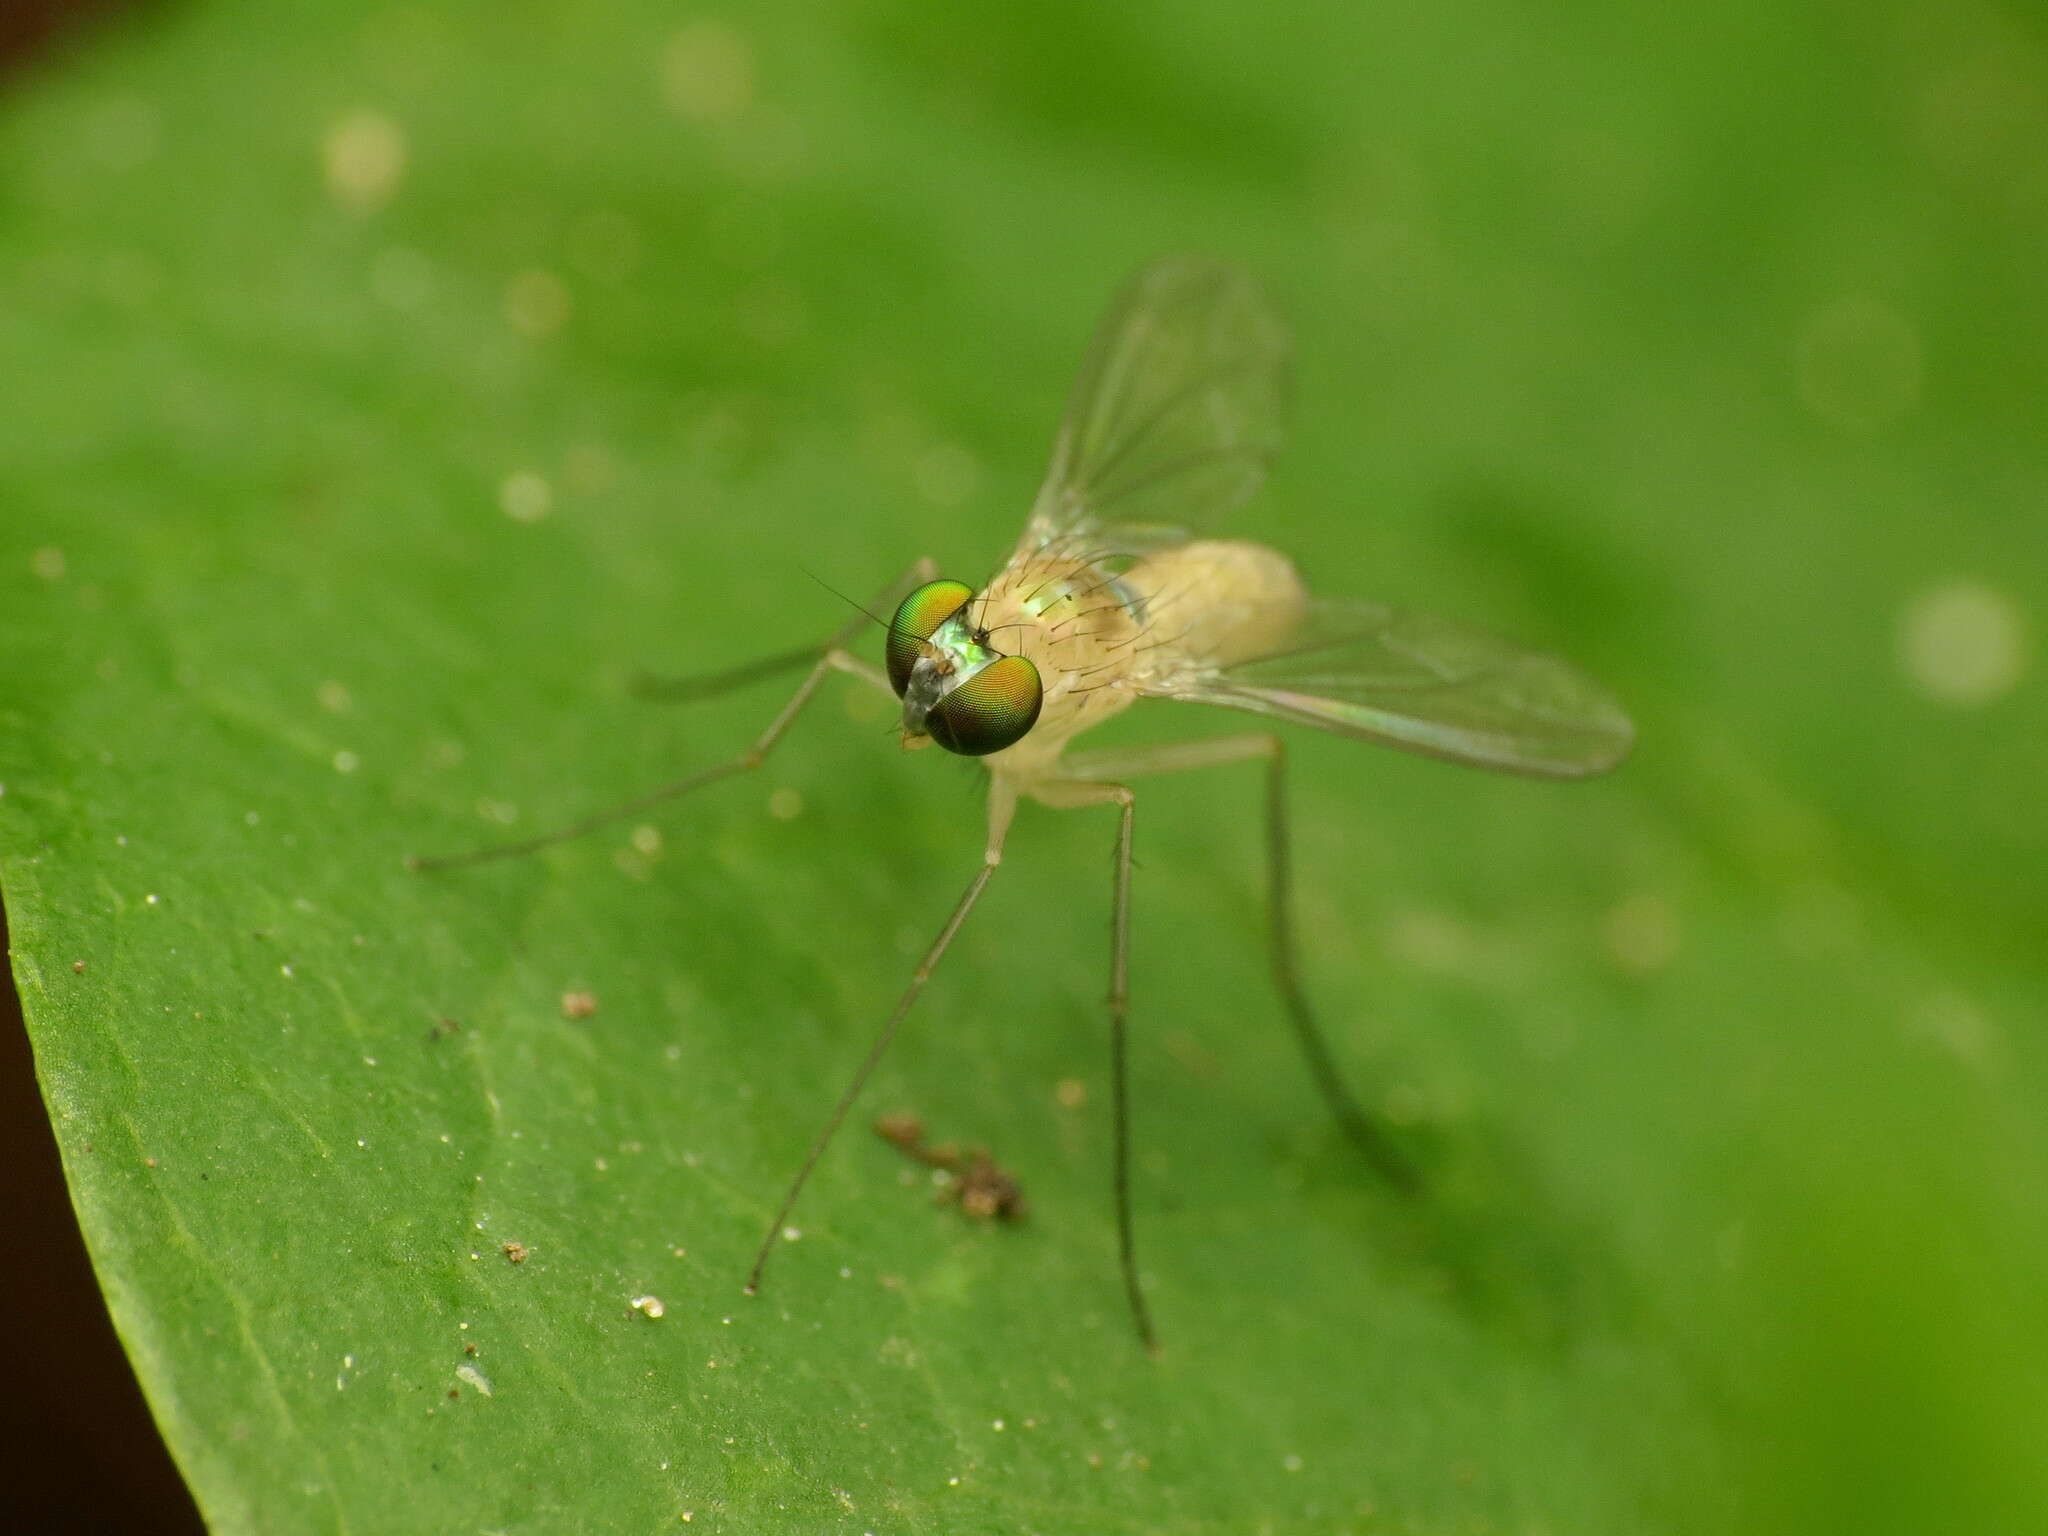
<point>386,389</point>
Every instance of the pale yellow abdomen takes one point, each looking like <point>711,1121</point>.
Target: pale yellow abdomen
<point>1216,602</point>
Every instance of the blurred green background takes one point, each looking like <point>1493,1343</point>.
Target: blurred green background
<point>385,383</point>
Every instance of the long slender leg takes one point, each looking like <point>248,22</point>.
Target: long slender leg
<point>1357,1123</point>
<point>1120,1075</point>
<point>1072,794</point>
<point>1001,805</point>
<point>1364,1131</point>
<point>832,657</point>
<point>659,689</point>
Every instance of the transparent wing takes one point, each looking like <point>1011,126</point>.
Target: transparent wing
<point>1177,410</point>
<point>1426,684</point>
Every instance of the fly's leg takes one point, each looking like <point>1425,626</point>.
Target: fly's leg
<point>1002,804</point>
<point>709,685</point>
<point>1068,794</point>
<point>832,657</point>
<point>1364,1132</point>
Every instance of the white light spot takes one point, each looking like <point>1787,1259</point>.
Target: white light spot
<point>647,840</point>
<point>707,71</point>
<point>537,303</point>
<point>364,155</point>
<point>475,1378</point>
<point>650,1305</point>
<point>791,1234</point>
<point>285,971</point>
<point>150,899</point>
<point>526,497</point>
<point>48,563</point>
<point>1858,363</point>
<point>346,761</point>
<point>1291,1463</point>
<point>786,804</point>
<point>1963,643</point>
<point>1641,933</point>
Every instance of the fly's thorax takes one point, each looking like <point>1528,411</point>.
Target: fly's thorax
<point>1078,623</point>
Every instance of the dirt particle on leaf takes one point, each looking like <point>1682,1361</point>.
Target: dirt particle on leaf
<point>78,967</point>
<point>972,1179</point>
<point>578,1005</point>
<point>650,1306</point>
<point>516,1252</point>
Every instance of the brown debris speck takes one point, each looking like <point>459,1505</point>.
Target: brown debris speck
<point>578,1005</point>
<point>978,1186</point>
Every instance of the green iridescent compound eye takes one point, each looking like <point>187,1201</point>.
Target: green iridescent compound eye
<point>916,617</point>
<point>990,711</point>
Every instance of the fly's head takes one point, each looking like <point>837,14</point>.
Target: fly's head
<point>957,689</point>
